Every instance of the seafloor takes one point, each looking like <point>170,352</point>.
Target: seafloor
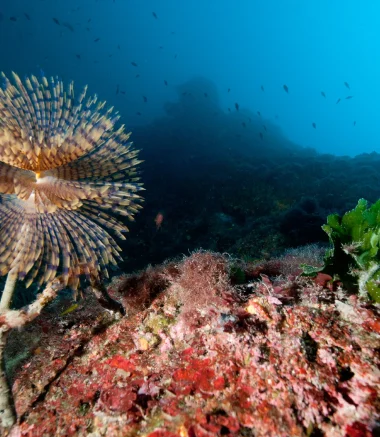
<point>210,346</point>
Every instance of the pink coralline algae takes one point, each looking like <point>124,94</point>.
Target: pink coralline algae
<point>197,356</point>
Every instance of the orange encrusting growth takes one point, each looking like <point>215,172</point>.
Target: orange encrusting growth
<point>65,175</point>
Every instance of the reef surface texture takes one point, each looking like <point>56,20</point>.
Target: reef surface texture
<point>209,347</point>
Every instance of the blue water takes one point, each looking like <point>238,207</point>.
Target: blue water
<point>309,46</point>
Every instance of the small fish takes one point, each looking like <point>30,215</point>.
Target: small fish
<point>229,109</point>
<point>237,106</point>
<point>137,75</point>
<point>155,15</point>
<point>259,113</point>
<point>134,64</point>
<point>264,127</point>
<point>314,125</point>
<point>118,46</point>
<point>205,94</point>
<point>323,94</point>
<point>337,101</point>
<point>89,20</point>
<point>70,309</point>
<point>286,88</point>
<point>27,16</point>
<point>138,113</point>
<point>166,82</point>
<point>97,39</point>
<point>117,89</point>
<point>145,99</point>
<point>13,18</point>
<point>261,135</point>
<point>354,123</point>
<point>244,125</point>
<point>158,220</point>
<point>347,85</point>
<point>56,21</point>
<point>78,56</point>
<point>262,88</point>
<point>68,26</point>
<point>122,92</point>
<point>229,89</point>
<point>161,47</point>
<point>349,97</point>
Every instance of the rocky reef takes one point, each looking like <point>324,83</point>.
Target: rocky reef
<point>210,346</point>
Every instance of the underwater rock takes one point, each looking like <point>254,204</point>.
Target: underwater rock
<point>281,355</point>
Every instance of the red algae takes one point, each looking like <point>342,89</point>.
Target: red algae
<point>198,357</point>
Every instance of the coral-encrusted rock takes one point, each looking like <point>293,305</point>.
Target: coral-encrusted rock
<point>283,356</point>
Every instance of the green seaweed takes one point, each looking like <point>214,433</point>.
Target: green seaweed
<point>354,254</point>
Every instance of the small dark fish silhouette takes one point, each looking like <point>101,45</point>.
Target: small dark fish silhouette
<point>229,109</point>
<point>175,56</point>
<point>78,56</point>
<point>138,113</point>
<point>337,101</point>
<point>68,26</point>
<point>264,127</point>
<point>97,39</point>
<point>286,88</point>
<point>262,88</point>
<point>314,125</point>
<point>134,64</point>
<point>155,15</point>
<point>137,75</point>
<point>347,85</point>
<point>145,99</point>
<point>237,106</point>
<point>118,46</point>
<point>244,125</point>
<point>117,89</point>
<point>56,21</point>
<point>27,16</point>
<point>323,94</point>
<point>349,97</point>
<point>354,123</point>
<point>122,92</point>
<point>229,89</point>
<point>258,113</point>
<point>205,94</point>
<point>261,135</point>
<point>166,82</point>
<point>13,18</point>
<point>88,20</point>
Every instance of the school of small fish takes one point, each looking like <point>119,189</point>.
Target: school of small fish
<point>71,27</point>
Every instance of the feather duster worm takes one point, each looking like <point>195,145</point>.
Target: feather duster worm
<point>65,175</point>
